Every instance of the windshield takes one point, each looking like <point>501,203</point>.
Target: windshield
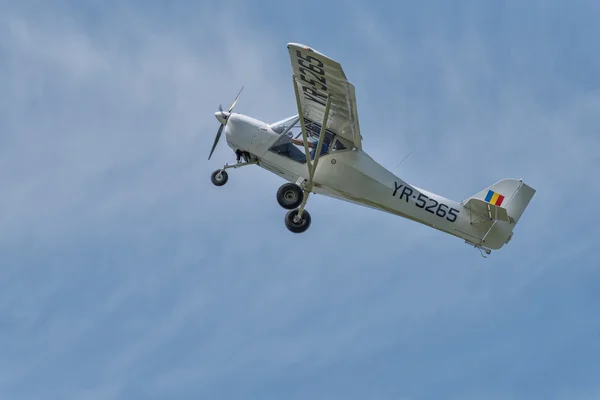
<point>282,127</point>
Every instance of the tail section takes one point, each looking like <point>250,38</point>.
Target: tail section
<point>498,209</point>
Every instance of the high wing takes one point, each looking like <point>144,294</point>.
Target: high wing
<point>317,77</point>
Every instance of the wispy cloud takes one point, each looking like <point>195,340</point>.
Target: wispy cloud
<point>125,274</point>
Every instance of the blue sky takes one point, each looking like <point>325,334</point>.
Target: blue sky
<point>126,275</point>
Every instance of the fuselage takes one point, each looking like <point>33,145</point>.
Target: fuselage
<point>352,175</point>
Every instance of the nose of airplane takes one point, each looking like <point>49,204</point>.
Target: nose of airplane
<point>222,116</point>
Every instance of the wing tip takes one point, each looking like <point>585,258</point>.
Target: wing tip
<point>304,47</point>
<point>294,44</point>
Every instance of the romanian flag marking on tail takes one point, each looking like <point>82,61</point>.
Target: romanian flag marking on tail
<point>494,198</point>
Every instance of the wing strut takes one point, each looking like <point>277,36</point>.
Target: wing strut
<point>302,126</point>
<point>321,137</point>
<point>311,167</point>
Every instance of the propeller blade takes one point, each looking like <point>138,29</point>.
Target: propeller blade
<point>220,131</point>
<point>236,99</point>
<point>216,140</point>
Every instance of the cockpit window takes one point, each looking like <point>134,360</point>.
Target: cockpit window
<point>282,127</point>
<point>338,145</point>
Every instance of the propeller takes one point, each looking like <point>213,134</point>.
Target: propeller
<point>223,116</point>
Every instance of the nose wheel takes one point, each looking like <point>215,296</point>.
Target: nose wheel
<point>219,177</point>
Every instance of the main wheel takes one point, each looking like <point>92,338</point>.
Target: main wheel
<point>219,177</point>
<point>289,196</point>
<point>297,226</point>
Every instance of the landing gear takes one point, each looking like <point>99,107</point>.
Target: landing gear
<point>295,223</point>
<point>289,196</point>
<point>219,177</point>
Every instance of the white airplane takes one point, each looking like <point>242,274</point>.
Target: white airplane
<point>338,167</point>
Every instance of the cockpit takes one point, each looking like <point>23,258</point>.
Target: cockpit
<point>282,127</point>
<point>291,144</point>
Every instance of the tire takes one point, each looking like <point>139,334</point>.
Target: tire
<point>297,227</point>
<point>289,196</point>
<point>219,178</point>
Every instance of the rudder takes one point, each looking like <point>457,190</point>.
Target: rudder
<point>508,198</point>
<point>511,194</point>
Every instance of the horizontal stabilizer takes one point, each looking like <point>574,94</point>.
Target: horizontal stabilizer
<point>483,209</point>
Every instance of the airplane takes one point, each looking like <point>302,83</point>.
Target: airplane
<point>329,160</point>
